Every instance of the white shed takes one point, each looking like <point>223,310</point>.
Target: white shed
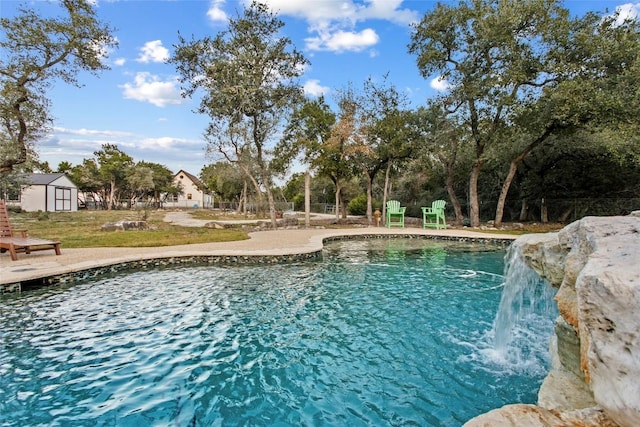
<point>48,192</point>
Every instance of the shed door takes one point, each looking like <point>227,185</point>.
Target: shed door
<point>63,199</point>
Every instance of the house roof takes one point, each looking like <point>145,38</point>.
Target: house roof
<point>193,179</point>
<point>41,178</point>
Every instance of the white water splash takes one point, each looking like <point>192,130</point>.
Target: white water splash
<point>524,322</point>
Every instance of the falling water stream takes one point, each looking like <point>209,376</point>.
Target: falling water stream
<point>525,313</point>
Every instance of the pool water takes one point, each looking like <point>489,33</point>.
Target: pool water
<point>377,333</point>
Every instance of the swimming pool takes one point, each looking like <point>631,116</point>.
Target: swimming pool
<point>379,332</point>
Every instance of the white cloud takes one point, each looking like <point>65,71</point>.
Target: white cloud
<point>333,24</point>
<point>153,51</point>
<point>341,41</point>
<point>89,132</point>
<point>313,88</point>
<point>345,10</point>
<point>149,88</point>
<point>119,62</point>
<point>389,10</point>
<point>439,84</point>
<point>167,143</point>
<point>627,11</point>
<point>75,145</point>
<point>216,13</point>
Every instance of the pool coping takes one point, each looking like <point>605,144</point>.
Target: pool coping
<point>262,247</point>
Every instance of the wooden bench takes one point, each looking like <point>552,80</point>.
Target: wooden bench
<point>15,244</point>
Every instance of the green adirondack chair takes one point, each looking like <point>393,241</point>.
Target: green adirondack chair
<point>434,216</point>
<point>395,214</point>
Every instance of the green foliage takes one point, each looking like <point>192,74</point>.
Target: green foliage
<point>248,78</point>
<point>294,187</point>
<point>298,202</point>
<point>307,132</point>
<point>224,179</point>
<point>37,51</point>
<point>522,72</point>
<point>583,166</point>
<point>43,216</point>
<point>358,205</point>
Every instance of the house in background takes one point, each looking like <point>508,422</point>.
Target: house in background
<point>47,192</point>
<point>194,193</point>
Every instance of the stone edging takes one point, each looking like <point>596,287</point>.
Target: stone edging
<point>160,262</point>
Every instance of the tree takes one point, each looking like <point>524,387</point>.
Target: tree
<point>37,51</point>
<point>248,75</point>
<point>520,72</point>
<point>333,160</point>
<point>139,182</point>
<point>87,177</point>
<point>441,139</point>
<point>225,180</point>
<point>162,179</point>
<point>307,132</point>
<point>149,182</point>
<point>383,136</point>
<point>64,167</point>
<point>114,166</point>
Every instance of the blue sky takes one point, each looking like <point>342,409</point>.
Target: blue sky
<point>137,104</point>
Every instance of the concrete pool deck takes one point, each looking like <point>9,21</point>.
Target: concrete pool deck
<point>270,243</point>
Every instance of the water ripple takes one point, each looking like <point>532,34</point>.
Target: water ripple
<point>378,335</point>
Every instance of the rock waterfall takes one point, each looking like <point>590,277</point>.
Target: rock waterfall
<point>595,351</point>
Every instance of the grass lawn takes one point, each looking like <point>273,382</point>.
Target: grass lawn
<point>82,229</point>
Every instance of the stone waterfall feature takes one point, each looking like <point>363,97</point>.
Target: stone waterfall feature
<point>595,352</point>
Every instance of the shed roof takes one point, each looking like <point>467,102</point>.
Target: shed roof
<point>41,178</point>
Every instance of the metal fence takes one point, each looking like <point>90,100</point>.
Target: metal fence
<point>555,210</point>
<point>253,207</point>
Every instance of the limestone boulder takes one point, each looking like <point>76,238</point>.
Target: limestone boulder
<point>125,226</point>
<point>544,254</point>
<point>534,416</point>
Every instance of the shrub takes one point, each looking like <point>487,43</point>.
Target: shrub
<point>358,206</point>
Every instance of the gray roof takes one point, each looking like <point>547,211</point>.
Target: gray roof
<point>41,178</point>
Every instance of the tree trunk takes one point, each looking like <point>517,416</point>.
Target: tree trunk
<point>245,190</point>
<point>457,209</point>
<point>255,185</point>
<point>239,208</point>
<point>513,168</point>
<point>385,193</point>
<point>524,210</point>
<point>369,200</point>
<point>338,199</point>
<point>112,195</point>
<point>272,205</point>
<point>307,199</point>
<point>544,214</point>
<point>473,194</point>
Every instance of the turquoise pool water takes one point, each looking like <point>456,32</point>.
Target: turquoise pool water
<point>378,333</point>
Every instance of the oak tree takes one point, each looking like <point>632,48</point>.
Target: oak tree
<point>37,51</point>
<point>520,72</point>
<point>247,75</point>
